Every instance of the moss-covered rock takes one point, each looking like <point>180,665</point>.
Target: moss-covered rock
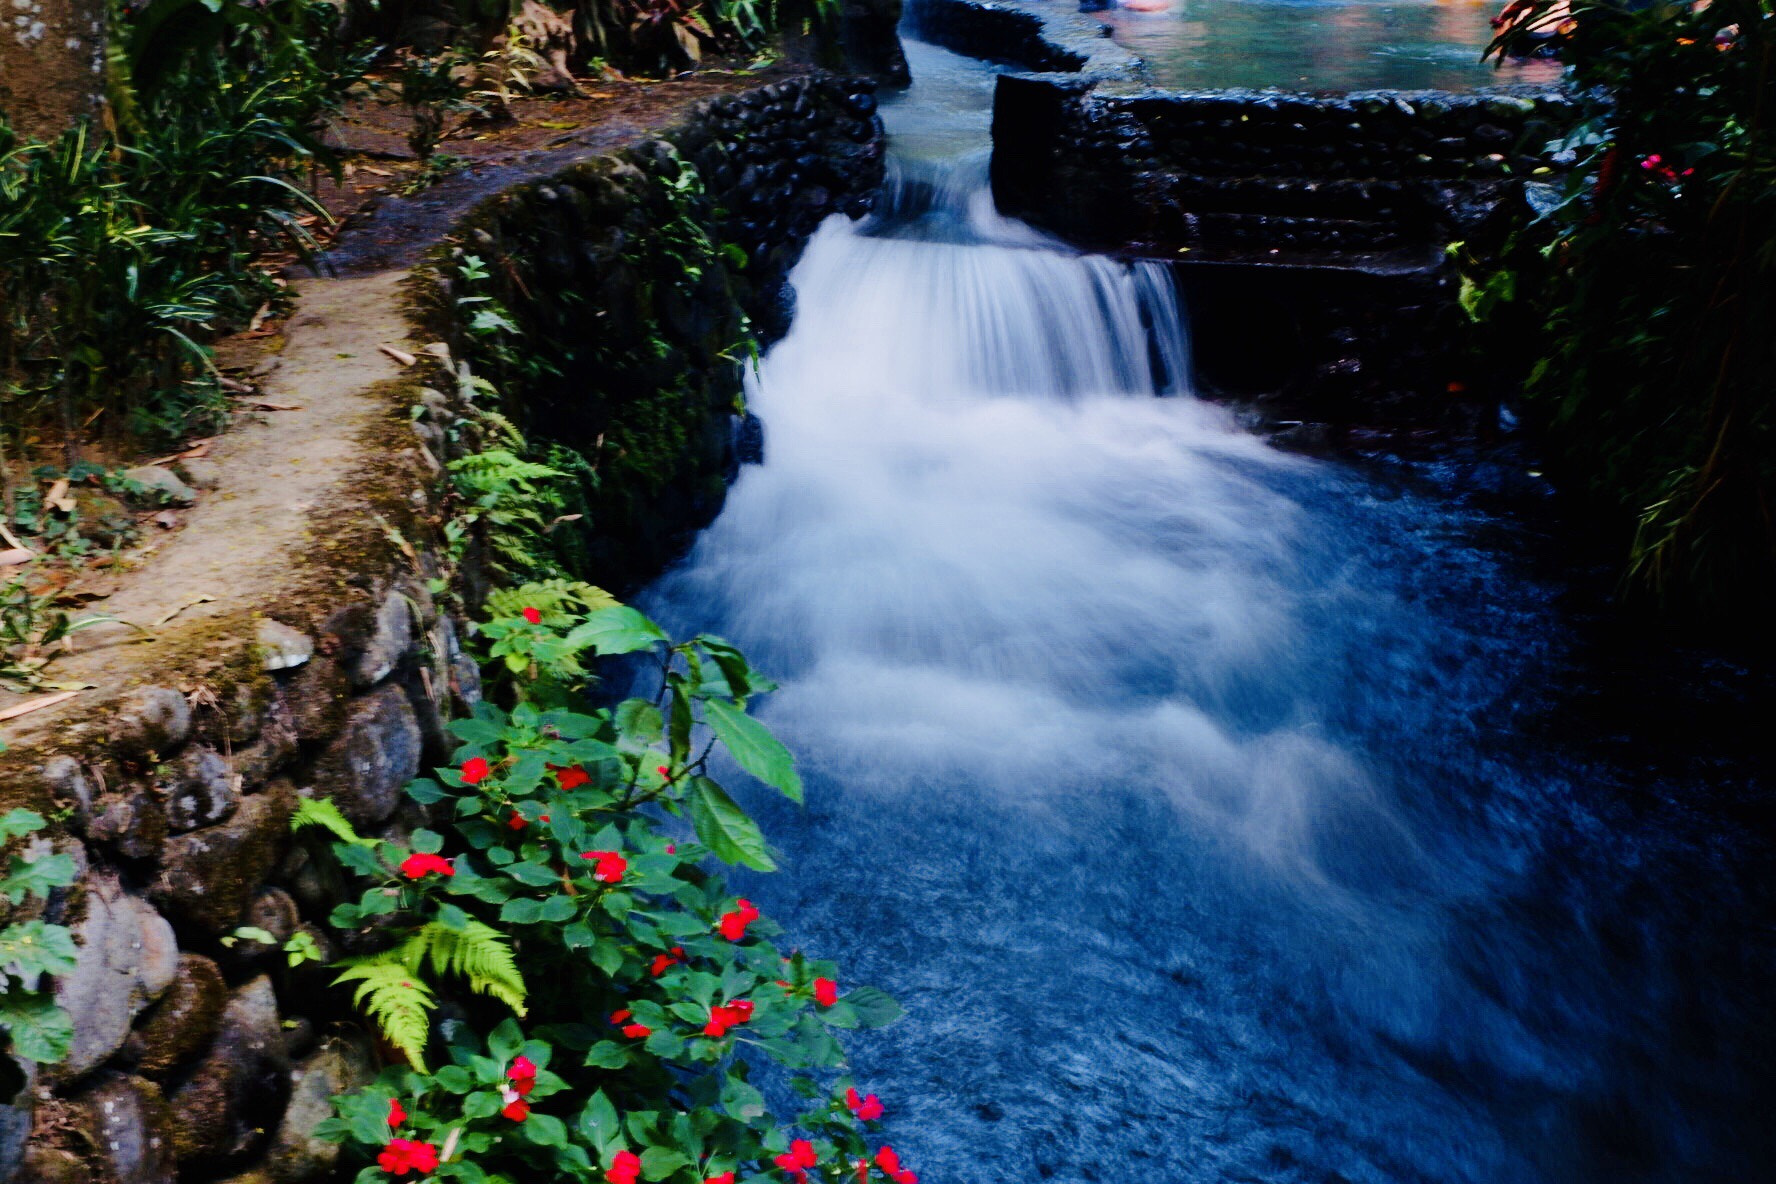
<point>207,877</point>
<point>185,1020</point>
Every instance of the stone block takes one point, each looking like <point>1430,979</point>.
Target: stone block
<point>208,876</point>
<point>374,756</point>
<point>128,959</point>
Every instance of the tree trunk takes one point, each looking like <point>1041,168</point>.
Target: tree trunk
<point>52,64</point>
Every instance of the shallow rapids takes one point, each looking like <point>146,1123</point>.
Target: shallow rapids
<point>1197,800</point>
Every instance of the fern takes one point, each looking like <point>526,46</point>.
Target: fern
<point>499,471</point>
<point>394,998</point>
<point>393,993</point>
<point>323,813</point>
<point>476,952</point>
<point>557,597</point>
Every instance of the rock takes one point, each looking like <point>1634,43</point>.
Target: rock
<point>185,1020</point>
<point>238,1082</point>
<point>199,790</point>
<point>465,673</point>
<point>130,822</point>
<point>128,959</point>
<point>377,753</point>
<point>200,473</point>
<point>281,647</point>
<point>15,1124</point>
<point>163,486</point>
<point>151,722</point>
<point>102,518</point>
<point>67,780</point>
<point>207,877</point>
<point>391,641</point>
<point>273,911</point>
<point>52,1165</point>
<point>130,1129</point>
<point>339,1066</point>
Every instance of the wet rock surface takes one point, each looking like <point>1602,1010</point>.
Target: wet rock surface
<point>239,1081</point>
<point>184,1021</point>
<point>377,753</point>
<point>209,875</point>
<point>128,958</point>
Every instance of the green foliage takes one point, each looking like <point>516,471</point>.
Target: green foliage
<point>31,950</point>
<point>1648,289</point>
<point>654,994</point>
<point>123,251</point>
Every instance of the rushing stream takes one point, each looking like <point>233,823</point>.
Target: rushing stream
<point>1206,806</point>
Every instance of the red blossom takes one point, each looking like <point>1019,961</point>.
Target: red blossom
<point>733,925</point>
<point>533,616</point>
<point>517,1110</point>
<point>727,1015</point>
<point>420,864</point>
<point>618,1017</point>
<point>610,865</point>
<point>724,1178</point>
<point>516,821</point>
<point>869,1109</point>
<point>665,771</point>
<point>571,777</point>
<point>798,1159</point>
<point>672,848</point>
<point>625,1168</point>
<point>522,1073</point>
<point>826,992</point>
<point>637,1031</point>
<point>396,1115</point>
<point>475,770</point>
<point>663,961</point>
<point>407,1155</point>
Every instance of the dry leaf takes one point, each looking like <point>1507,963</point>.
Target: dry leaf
<point>16,555</point>
<point>235,385</point>
<point>259,318</point>
<point>166,520</point>
<point>193,603</point>
<point>263,405</point>
<point>199,448</point>
<point>399,355</point>
<point>438,350</point>
<point>37,704</point>
<point>11,539</point>
<point>378,172</point>
<point>58,497</point>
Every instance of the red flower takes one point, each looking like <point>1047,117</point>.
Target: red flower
<point>420,864</point>
<point>724,1178</point>
<point>733,925</point>
<point>533,616</point>
<point>863,1171</point>
<point>396,1115</point>
<point>888,1161</point>
<point>798,1159</point>
<point>475,770</point>
<point>728,1015</point>
<point>522,1073</point>
<point>869,1109</point>
<point>665,771</point>
<point>637,1031</point>
<point>618,1017</point>
<point>571,777</point>
<point>610,867</point>
<point>407,1155</point>
<point>672,848</point>
<point>826,992</point>
<point>662,961</point>
<point>516,821</point>
<point>517,1110</point>
<point>625,1167</point>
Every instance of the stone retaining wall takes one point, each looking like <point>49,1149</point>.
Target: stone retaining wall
<point>200,1055</point>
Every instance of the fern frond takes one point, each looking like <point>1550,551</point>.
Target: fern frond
<point>476,952</point>
<point>549,597</point>
<point>394,998</point>
<point>324,814</point>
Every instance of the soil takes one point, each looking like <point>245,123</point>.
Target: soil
<point>322,405</point>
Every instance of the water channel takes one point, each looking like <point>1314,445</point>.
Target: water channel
<point>1218,814</point>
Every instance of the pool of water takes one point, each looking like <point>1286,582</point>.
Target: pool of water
<point>1321,44</point>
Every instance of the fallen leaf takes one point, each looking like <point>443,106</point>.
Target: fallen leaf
<point>166,520</point>
<point>58,497</point>
<point>438,349</point>
<point>200,449</point>
<point>11,538</point>
<point>259,318</point>
<point>264,405</point>
<point>235,385</point>
<point>38,704</point>
<point>193,603</point>
<point>16,555</point>
<point>379,172</point>
<point>399,355</point>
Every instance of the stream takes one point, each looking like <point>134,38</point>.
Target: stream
<point>1217,813</point>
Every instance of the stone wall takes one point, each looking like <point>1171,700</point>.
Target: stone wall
<point>202,1055</point>
<point>620,357</point>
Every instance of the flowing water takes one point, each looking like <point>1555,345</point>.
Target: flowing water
<point>1206,806</point>
<point>1321,44</point>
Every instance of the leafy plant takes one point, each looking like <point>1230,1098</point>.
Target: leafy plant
<point>642,995</point>
<point>36,1028</point>
<point>1651,277</point>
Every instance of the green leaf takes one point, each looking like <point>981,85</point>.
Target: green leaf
<point>725,828</point>
<point>37,877</point>
<point>875,1008</point>
<point>659,1162</point>
<point>40,1030</point>
<point>616,630</point>
<point>599,1122</point>
<point>523,911</point>
<point>607,1054</point>
<point>36,947</point>
<point>19,821</point>
<point>505,1041</point>
<point>753,747</point>
<point>324,814</point>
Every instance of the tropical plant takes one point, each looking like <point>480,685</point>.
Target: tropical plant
<point>1649,284</point>
<point>611,999</point>
<point>31,950</point>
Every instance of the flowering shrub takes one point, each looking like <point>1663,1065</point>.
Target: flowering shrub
<point>1649,288</point>
<point>638,994</point>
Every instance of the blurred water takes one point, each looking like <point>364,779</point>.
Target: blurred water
<point>1321,44</point>
<point>1206,806</point>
